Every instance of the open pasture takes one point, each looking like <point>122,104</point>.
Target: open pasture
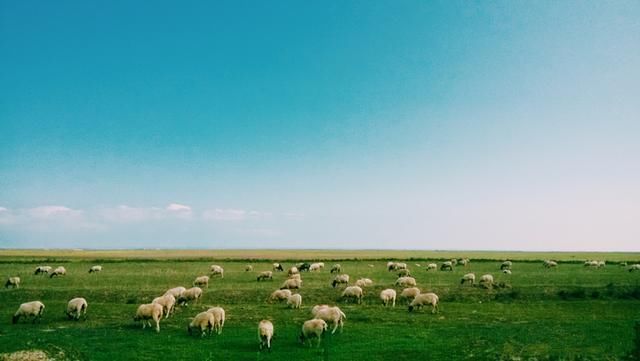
<point>569,312</point>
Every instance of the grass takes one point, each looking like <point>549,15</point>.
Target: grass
<point>568,313</point>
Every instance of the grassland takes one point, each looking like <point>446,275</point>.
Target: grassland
<point>564,313</point>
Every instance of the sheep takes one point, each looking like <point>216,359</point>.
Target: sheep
<point>312,328</point>
<point>291,284</point>
<point>388,296</point>
<point>29,309</point>
<point>248,268</point>
<point>634,267</point>
<point>293,270</point>
<point>404,272</point>
<point>60,271</point>
<point>601,264</point>
<point>468,278</point>
<point>353,292</point>
<point>340,279</point>
<point>95,269</point>
<point>550,264</point>
<point>591,264</point>
<point>191,294</point>
<point>201,281</point>
<point>506,265</point>
<point>336,268</point>
<point>396,266</point>
<point>330,314</point>
<point>168,302</point>
<point>265,334</point>
<point>425,299</point>
<point>406,282</point>
<point>175,292</point>
<point>76,307</point>
<point>315,267</point>
<point>410,293</point>
<point>204,321</point>
<point>370,265</point>
<point>486,281</point>
<point>265,275</point>
<point>364,282</point>
<point>280,295</point>
<point>294,301</point>
<point>219,317</point>
<point>623,264</point>
<point>43,270</point>
<point>304,267</point>
<point>463,261</point>
<point>295,276</point>
<point>148,312</point>
<point>432,266</point>
<point>506,271</point>
<point>278,267</point>
<point>217,270</point>
<point>13,282</point>
<point>446,266</point>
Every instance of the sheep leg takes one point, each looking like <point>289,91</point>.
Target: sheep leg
<point>157,325</point>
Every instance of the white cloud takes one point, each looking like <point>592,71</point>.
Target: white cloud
<point>49,212</point>
<point>6,216</point>
<point>124,213</point>
<point>224,214</point>
<point>175,207</point>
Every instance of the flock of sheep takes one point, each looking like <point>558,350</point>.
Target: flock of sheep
<point>212,320</point>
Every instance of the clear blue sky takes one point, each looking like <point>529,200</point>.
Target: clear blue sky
<point>346,124</point>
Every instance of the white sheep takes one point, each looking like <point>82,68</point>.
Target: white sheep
<point>203,321</point>
<point>148,312</point>
<point>468,278</point>
<point>217,270</point>
<point>168,303</point>
<point>43,270</point>
<point>295,276</point>
<point>201,281</point>
<point>463,261</point>
<point>265,334</point>
<point>591,264</point>
<point>248,268</point>
<point>404,272</point>
<point>506,265</point>
<point>13,282</point>
<point>446,266</point>
<point>280,295</point>
<point>406,282</point>
<point>432,266</point>
<point>191,294</point>
<point>265,275</point>
<point>60,271</point>
<point>330,314</point>
<point>364,282</point>
<point>94,269</point>
<point>76,308</point>
<point>486,281</point>
<point>175,292</point>
<point>291,284</point>
<point>278,267</point>
<point>353,292</point>
<point>315,267</point>
<point>506,271</point>
<point>550,264</point>
<point>293,270</point>
<point>219,316</point>
<point>601,264</point>
<point>634,267</point>
<point>294,301</point>
<point>410,293</point>
<point>423,299</point>
<point>336,268</point>
<point>29,309</point>
<point>313,329</point>
<point>388,297</point>
<point>340,279</point>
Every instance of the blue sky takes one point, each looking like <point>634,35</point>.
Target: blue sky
<point>420,125</point>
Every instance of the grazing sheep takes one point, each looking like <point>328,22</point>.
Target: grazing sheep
<point>204,321</point>
<point>463,261</point>
<point>217,270</point>
<point>353,292</point>
<point>591,264</point>
<point>293,270</point>
<point>468,278</point>
<point>388,297</point>
<point>330,314</point>
<point>406,282</point>
<point>506,271</point>
<point>304,267</point>
<point>265,334</point>
<point>191,294</point>
<point>43,270</point>
<point>337,268</point>
<point>506,265</point>
<point>601,264</point>
<point>148,312</point>
<point>404,272</point>
<point>219,317</point>
<point>76,308</point>
<point>340,279</point>
<point>201,281</point>
<point>550,264</point>
<point>265,275</point>
<point>280,295</point>
<point>248,268</point>
<point>313,329</point>
<point>410,293</point>
<point>486,281</point>
<point>396,266</point>
<point>425,299</point>
<point>13,282</point>
<point>60,271</point>
<point>278,267</point>
<point>316,267</point>
<point>168,302</point>
<point>364,282</point>
<point>291,284</point>
<point>175,292</point>
<point>294,301</point>
<point>95,269</point>
<point>634,267</point>
<point>446,266</point>
<point>29,309</point>
<point>454,261</point>
<point>432,266</point>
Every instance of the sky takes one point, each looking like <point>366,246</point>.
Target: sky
<point>497,125</point>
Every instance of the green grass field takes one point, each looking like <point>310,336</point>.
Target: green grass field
<point>566,313</point>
